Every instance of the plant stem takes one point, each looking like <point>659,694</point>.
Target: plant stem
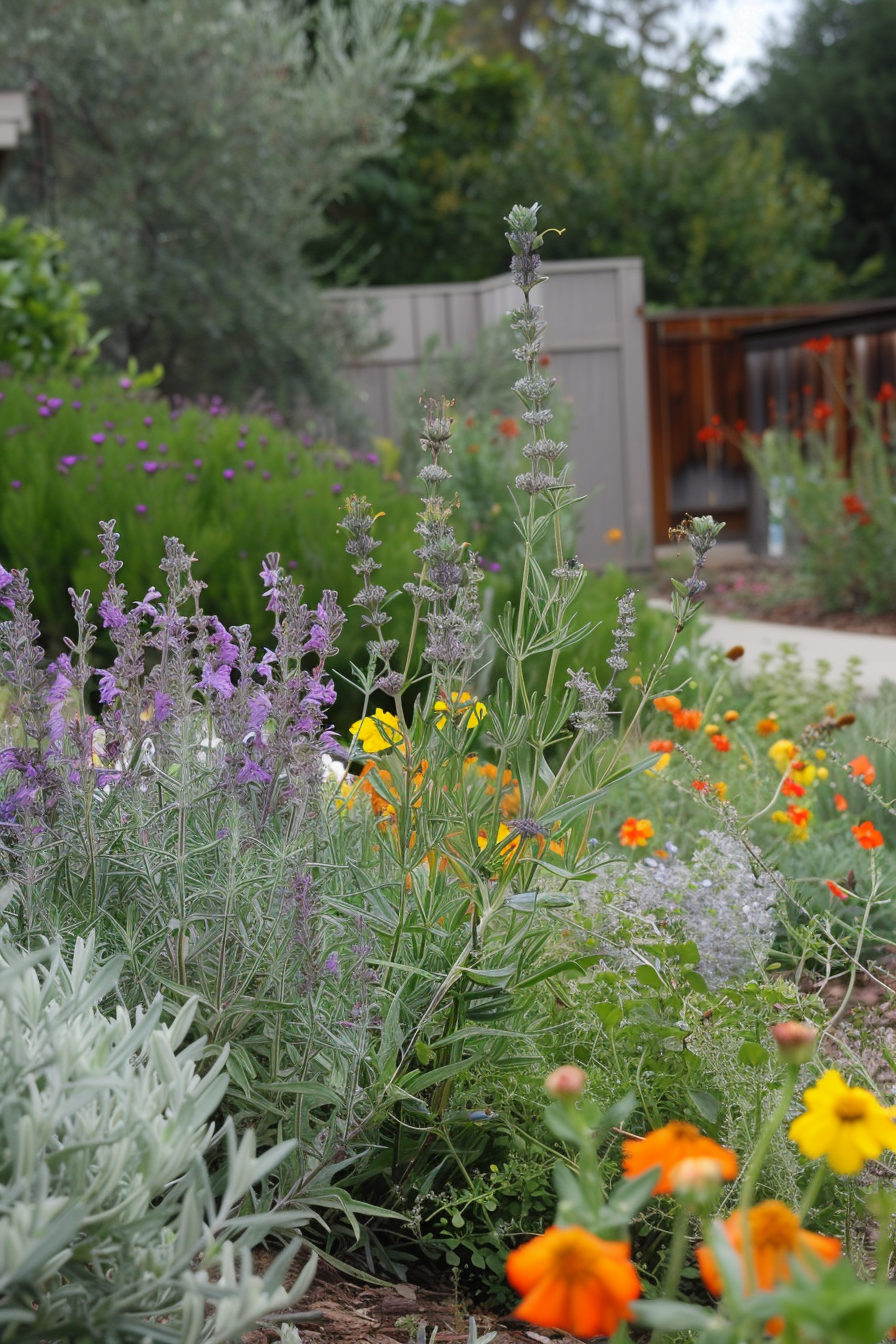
<point>677,1252</point>
<point>754,1167</point>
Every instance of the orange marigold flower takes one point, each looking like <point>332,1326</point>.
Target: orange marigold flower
<point>571,1280</point>
<point>688,718</point>
<point>776,1239</point>
<point>862,769</point>
<point>667,704</point>
<point>700,786</point>
<point>765,727</point>
<point>635,832</point>
<point>798,816</point>
<point>835,890</point>
<point>791,789</point>
<point>868,836</point>
<point>819,345</point>
<point>509,427</point>
<point>721,789</point>
<point>731,716</point>
<point>666,1147</point>
<point>613,535</point>
<point>662,744</point>
<point>720,742</point>
<point>840,802</point>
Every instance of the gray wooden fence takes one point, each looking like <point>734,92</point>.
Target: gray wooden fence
<point>595,338</point>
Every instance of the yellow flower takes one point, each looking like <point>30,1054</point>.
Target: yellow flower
<point>804,773</point>
<point>782,753</point>
<point>613,535</point>
<point>379,733</point>
<point>660,765</point>
<point>846,1125</point>
<point>781,817</point>
<point>721,789</point>
<point>465,707</point>
<point>821,754</point>
<point>731,716</point>
<point>823,772</point>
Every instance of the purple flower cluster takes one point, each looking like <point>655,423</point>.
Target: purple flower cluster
<point>179,676</point>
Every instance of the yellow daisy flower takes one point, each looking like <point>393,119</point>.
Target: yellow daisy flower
<point>462,703</point>
<point>379,732</point>
<point>846,1125</point>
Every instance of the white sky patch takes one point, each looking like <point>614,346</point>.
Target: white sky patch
<point>747,26</point>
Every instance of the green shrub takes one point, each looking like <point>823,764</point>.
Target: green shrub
<point>43,324</point>
<point>109,1226</point>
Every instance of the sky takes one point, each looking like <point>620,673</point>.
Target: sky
<point>746,24</point>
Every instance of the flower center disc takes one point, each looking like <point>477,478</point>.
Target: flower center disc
<point>850,1108</point>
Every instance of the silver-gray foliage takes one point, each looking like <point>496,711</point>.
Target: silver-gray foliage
<point>187,150</point>
<point>715,899</point>
<point>109,1228</point>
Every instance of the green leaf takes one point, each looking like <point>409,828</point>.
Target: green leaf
<point>570,965</point>
<point>528,901</point>
<point>708,1105</point>
<point>662,1315</point>
<point>646,975</point>
<point>751,1052</point>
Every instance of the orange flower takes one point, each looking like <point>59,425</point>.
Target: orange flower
<point>509,428</point>
<point>791,789</point>
<point>711,433</point>
<point>720,742</point>
<point>776,1239</point>
<point>868,836</point>
<point>635,832</point>
<point>840,802</point>
<point>819,345</point>
<point>765,727</point>
<point>887,392</point>
<point>571,1280</point>
<point>662,744</point>
<point>853,504</point>
<point>700,786</point>
<point>688,718</point>
<point>667,704</point>
<point>862,769</point>
<point>821,412</point>
<point>798,816</point>
<point>613,535</point>
<point>736,651</point>
<point>835,890</point>
<point>731,716</point>
<point>721,789</point>
<point>666,1147</point>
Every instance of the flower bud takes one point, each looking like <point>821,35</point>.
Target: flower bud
<point>696,1181</point>
<point>567,1081</point>
<point>795,1041</point>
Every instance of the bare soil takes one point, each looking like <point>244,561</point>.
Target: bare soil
<point>765,590</point>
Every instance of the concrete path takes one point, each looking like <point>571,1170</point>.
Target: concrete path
<point>876,652</point>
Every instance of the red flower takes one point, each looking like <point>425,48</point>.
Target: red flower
<point>720,742</point>
<point>840,802</point>
<point>740,426</point>
<point>791,789</point>
<point>887,393</point>
<point>711,433</point>
<point>868,836</point>
<point>835,890</point>
<point>862,769</point>
<point>509,428</point>
<point>700,786</point>
<point>544,361</point>
<point>819,345</point>
<point>662,745</point>
<point>852,503</point>
<point>798,816</point>
<point>821,412</point>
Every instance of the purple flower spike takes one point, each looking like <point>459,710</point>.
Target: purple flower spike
<point>54,403</point>
<point>124,383</point>
<point>142,445</point>
<point>249,464</point>
<point>292,564</point>
<point>241,443</point>
<point>45,412</point>
<point>244,429</point>
<point>265,475</point>
<point>336,488</point>
<point>261,439</point>
<point>197,461</point>
<point>372,458</point>
<point>120,440</point>
<point>140,508</point>
<point>190,476</point>
<point>108,424</point>
<point>228,473</point>
<point>41,397</point>
<point>76,405</point>
<point>97,438</point>
<point>68,460</point>
<point>495,567</point>
<point>15,485</point>
<point>307,439</point>
<point>147,419</point>
<point>163,447</point>
<point>150,467</point>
